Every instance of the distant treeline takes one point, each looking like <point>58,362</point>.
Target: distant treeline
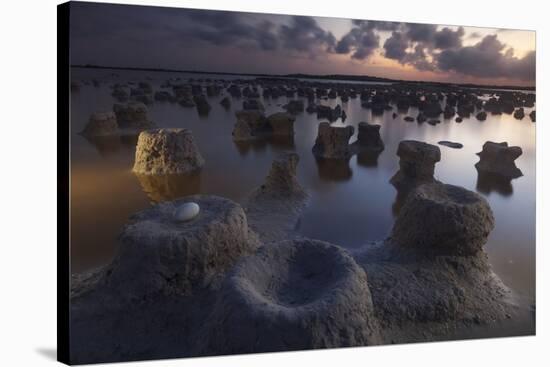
<point>356,78</point>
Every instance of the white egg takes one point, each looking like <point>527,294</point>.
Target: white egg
<point>186,212</point>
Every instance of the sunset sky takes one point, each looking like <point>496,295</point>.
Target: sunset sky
<point>157,37</point>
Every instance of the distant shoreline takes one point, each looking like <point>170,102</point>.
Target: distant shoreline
<point>354,78</point>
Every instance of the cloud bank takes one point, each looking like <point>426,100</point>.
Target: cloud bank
<point>425,47</point>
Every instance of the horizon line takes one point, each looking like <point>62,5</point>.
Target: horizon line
<point>307,76</point>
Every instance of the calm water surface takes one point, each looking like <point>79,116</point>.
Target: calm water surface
<point>351,203</point>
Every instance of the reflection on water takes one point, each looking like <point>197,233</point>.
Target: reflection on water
<point>105,145</point>
<point>169,187</point>
<point>352,201</point>
<point>488,182</point>
<point>258,145</point>
<point>334,169</point>
<point>112,144</point>
<point>368,158</point>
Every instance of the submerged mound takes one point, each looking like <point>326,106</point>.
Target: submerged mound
<point>282,124</point>
<point>133,115</point>
<point>489,182</point>
<point>498,158</point>
<point>101,124</point>
<point>167,151</point>
<point>326,112</point>
<point>250,125</point>
<point>444,220</point>
<point>293,295</point>
<point>274,208</point>
<point>294,106</point>
<point>334,169</point>
<point>368,137</point>
<point>253,124</point>
<point>333,142</point>
<point>226,103</point>
<point>201,102</point>
<point>416,164</point>
<point>253,105</point>
<point>281,180</point>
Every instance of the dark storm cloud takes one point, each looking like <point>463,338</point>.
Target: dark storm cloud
<point>138,24</point>
<point>447,38</point>
<point>421,32</point>
<point>266,36</point>
<point>428,35</point>
<point>418,59</point>
<point>304,34</point>
<point>420,37</point>
<point>345,44</point>
<point>193,26</point>
<point>396,46</point>
<point>100,20</point>
<point>367,43</point>
<point>363,39</point>
<point>485,59</point>
<point>227,28</point>
<point>426,48</point>
<point>165,37</point>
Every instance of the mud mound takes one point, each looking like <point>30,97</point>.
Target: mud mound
<point>293,295</point>
<point>133,115</point>
<point>167,151</point>
<point>282,124</point>
<point>281,179</point>
<point>433,271</point>
<point>420,298</point>
<point>416,164</point>
<point>498,159</point>
<point>101,124</point>
<point>444,219</point>
<point>156,295</point>
<point>159,254</point>
<point>333,142</point>
<point>250,125</point>
<point>368,138</point>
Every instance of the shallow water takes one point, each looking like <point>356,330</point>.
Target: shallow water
<point>351,203</point>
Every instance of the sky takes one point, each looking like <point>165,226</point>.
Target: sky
<point>221,41</point>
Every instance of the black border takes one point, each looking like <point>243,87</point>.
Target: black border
<point>63,185</point>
